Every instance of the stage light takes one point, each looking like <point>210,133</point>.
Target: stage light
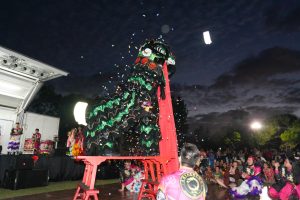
<point>79,112</point>
<point>6,62</point>
<point>256,125</point>
<point>206,37</point>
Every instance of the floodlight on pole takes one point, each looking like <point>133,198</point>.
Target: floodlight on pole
<point>256,125</point>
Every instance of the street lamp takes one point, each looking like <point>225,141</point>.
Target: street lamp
<point>255,125</point>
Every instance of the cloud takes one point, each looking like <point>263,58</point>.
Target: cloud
<point>90,86</point>
<point>257,69</point>
<point>237,118</point>
<point>265,84</point>
<point>283,16</point>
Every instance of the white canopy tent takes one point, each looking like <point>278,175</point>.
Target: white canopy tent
<point>20,79</point>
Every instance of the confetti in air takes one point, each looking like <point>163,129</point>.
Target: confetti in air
<point>132,110</point>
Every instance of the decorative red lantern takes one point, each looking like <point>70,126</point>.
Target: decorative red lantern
<point>35,158</point>
<point>152,65</point>
<point>144,61</point>
<point>137,60</point>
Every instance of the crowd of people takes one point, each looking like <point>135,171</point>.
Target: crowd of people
<point>241,173</point>
<point>245,172</point>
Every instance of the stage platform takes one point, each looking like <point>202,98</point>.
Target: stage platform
<point>60,168</point>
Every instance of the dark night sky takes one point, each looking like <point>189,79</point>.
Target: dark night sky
<point>253,63</point>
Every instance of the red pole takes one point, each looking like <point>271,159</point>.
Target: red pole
<point>168,144</point>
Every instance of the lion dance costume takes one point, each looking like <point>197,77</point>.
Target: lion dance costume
<point>133,107</point>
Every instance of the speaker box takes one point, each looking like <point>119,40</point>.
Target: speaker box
<point>23,162</point>
<point>60,151</point>
<point>20,179</point>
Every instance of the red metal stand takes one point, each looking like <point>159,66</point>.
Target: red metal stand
<point>85,189</point>
<point>168,145</point>
<point>155,166</point>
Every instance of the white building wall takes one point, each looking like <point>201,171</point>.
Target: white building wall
<point>7,121</point>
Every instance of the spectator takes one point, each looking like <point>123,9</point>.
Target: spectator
<point>252,183</point>
<point>209,174</point>
<point>268,174</point>
<point>131,177</point>
<point>211,158</point>
<point>184,184</point>
<point>232,175</point>
<point>218,173</point>
<point>287,179</point>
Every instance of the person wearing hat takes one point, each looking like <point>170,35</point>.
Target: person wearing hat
<point>252,183</point>
<point>287,179</point>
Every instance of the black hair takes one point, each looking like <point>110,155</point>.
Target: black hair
<point>290,157</point>
<point>37,129</point>
<point>189,155</point>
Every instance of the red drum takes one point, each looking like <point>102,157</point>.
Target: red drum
<point>46,146</point>
<point>28,145</point>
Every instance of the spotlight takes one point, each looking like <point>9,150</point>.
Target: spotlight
<point>24,68</point>
<point>6,62</point>
<point>32,71</point>
<point>15,65</point>
<point>256,125</point>
<point>42,74</point>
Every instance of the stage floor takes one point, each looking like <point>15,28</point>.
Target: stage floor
<point>110,192</point>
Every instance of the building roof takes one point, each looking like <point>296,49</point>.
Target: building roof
<point>21,77</point>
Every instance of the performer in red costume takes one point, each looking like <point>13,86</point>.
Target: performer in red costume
<point>184,184</point>
<point>36,137</point>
